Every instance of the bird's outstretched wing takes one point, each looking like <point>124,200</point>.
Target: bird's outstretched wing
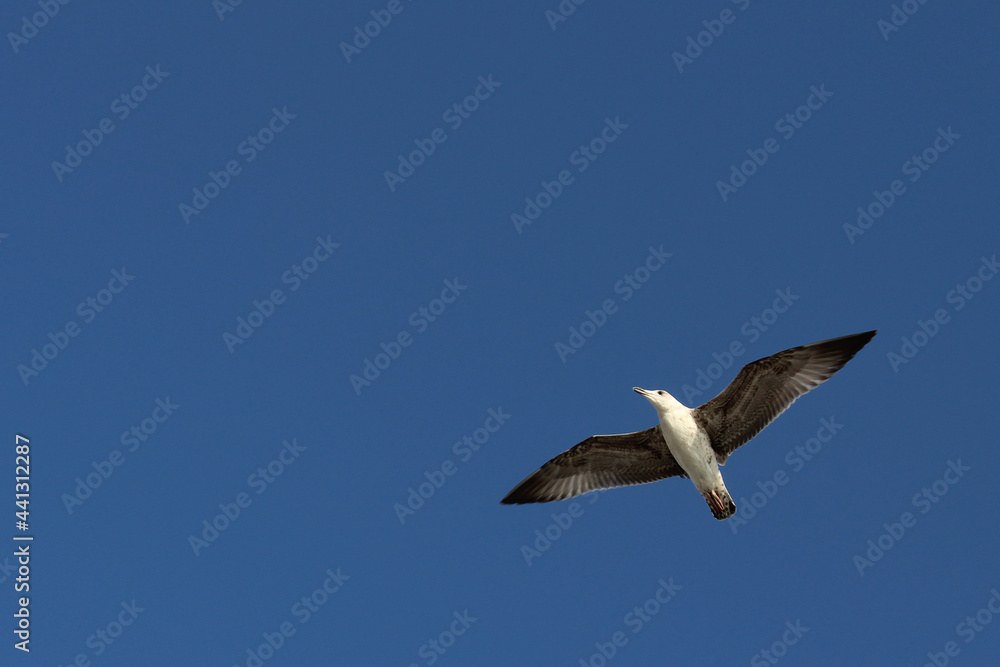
<point>766,387</point>
<point>599,462</point>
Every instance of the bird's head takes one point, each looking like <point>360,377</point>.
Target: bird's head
<point>661,400</point>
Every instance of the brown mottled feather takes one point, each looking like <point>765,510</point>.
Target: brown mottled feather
<point>766,387</point>
<point>599,462</point>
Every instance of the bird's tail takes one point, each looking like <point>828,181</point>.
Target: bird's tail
<point>720,502</point>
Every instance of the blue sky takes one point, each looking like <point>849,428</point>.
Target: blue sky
<point>290,307</point>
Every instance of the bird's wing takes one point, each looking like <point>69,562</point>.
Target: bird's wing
<point>599,462</point>
<point>766,387</point>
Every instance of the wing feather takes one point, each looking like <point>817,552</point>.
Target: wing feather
<point>765,388</point>
<point>599,462</point>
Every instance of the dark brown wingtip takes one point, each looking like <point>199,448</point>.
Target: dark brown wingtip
<point>844,346</point>
<point>520,494</point>
<point>868,336</point>
<point>853,343</point>
<point>533,489</point>
<point>510,500</point>
<point>858,340</point>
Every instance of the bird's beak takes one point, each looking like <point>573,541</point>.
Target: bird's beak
<point>640,390</point>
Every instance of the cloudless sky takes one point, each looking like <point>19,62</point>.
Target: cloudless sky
<point>295,293</point>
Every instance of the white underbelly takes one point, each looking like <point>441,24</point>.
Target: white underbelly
<point>691,449</point>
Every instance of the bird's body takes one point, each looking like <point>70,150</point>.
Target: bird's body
<point>692,442</point>
<point>691,447</point>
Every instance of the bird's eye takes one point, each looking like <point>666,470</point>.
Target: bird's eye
<point>661,392</point>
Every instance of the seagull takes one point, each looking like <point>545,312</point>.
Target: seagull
<point>692,442</point>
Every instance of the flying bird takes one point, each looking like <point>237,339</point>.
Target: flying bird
<point>692,442</point>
